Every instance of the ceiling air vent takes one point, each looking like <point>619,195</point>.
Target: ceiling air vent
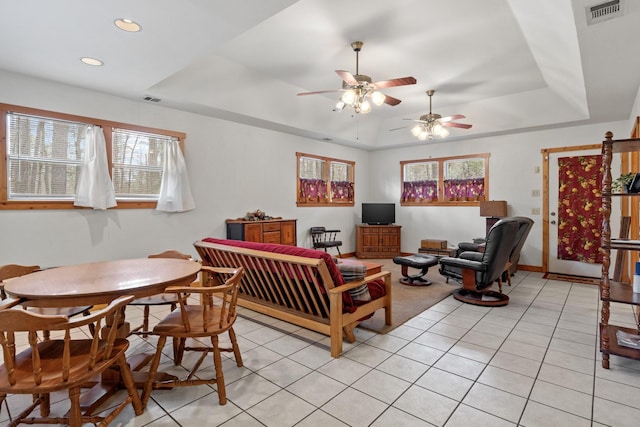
<point>604,11</point>
<point>151,99</point>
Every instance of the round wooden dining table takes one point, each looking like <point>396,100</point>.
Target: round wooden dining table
<point>101,282</point>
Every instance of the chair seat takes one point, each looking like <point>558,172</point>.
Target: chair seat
<point>333,244</point>
<point>174,325</point>
<point>160,299</point>
<point>52,351</point>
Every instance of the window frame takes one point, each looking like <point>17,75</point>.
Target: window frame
<point>106,125</point>
<point>327,177</point>
<point>441,178</point>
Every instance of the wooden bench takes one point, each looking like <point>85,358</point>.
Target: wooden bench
<point>303,290</point>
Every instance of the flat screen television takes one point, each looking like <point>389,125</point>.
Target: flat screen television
<point>378,213</point>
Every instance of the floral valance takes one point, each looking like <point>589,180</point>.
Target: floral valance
<point>313,190</point>
<point>420,191</point>
<point>464,189</point>
<point>342,190</point>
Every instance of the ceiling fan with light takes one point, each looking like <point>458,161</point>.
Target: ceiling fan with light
<point>434,125</point>
<point>358,88</point>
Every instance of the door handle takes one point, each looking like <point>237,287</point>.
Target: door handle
<point>552,222</point>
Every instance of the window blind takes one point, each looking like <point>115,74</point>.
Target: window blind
<point>44,156</point>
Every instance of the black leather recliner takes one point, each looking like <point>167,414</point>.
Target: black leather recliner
<point>479,270</point>
<point>525,225</point>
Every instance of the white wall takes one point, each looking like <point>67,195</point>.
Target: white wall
<point>512,178</point>
<point>233,169</point>
<point>236,168</point>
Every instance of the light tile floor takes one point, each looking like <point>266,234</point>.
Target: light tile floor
<point>534,362</point>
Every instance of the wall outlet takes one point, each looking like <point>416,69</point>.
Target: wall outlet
<point>535,211</point>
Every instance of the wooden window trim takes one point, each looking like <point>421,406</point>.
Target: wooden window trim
<point>441,161</point>
<point>6,204</point>
<point>327,172</point>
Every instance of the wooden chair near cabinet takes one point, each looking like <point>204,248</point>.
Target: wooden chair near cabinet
<point>206,320</point>
<point>61,363</point>
<point>324,239</point>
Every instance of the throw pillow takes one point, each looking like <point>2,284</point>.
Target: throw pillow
<point>352,272</point>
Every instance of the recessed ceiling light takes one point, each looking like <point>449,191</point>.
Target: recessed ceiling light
<point>91,61</point>
<point>127,25</point>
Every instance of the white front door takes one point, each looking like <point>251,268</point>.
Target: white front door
<point>558,265</point>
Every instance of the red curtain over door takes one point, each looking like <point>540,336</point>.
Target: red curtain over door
<point>580,208</point>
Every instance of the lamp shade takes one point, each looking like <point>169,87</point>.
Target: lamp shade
<point>494,208</point>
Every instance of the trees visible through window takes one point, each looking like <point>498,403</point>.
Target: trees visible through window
<point>45,151</point>
<point>447,180</point>
<point>138,160</point>
<point>324,181</point>
<point>43,157</point>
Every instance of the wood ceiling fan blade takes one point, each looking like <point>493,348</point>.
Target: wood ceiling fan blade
<point>347,77</point>
<point>456,125</point>
<point>390,100</point>
<point>318,91</point>
<point>402,81</point>
<point>454,117</point>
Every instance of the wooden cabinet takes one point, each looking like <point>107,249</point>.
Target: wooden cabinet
<point>282,231</point>
<point>610,290</point>
<point>377,241</point>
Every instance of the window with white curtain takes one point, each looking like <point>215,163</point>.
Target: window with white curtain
<point>44,152</point>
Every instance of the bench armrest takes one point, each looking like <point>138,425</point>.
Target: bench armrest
<point>352,285</point>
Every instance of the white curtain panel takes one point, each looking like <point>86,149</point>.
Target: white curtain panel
<point>175,191</point>
<point>94,188</point>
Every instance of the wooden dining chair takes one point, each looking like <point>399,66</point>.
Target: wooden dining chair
<point>62,362</point>
<point>215,315</point>
<point>10,271</point>
<point>160,299</point>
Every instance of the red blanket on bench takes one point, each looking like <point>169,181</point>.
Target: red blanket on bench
<point>376,287</point>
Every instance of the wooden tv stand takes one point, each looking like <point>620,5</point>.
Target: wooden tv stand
<point>377,241</point>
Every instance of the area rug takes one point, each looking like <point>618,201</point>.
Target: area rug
<point>408,301</point>
<point>570,278</point>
